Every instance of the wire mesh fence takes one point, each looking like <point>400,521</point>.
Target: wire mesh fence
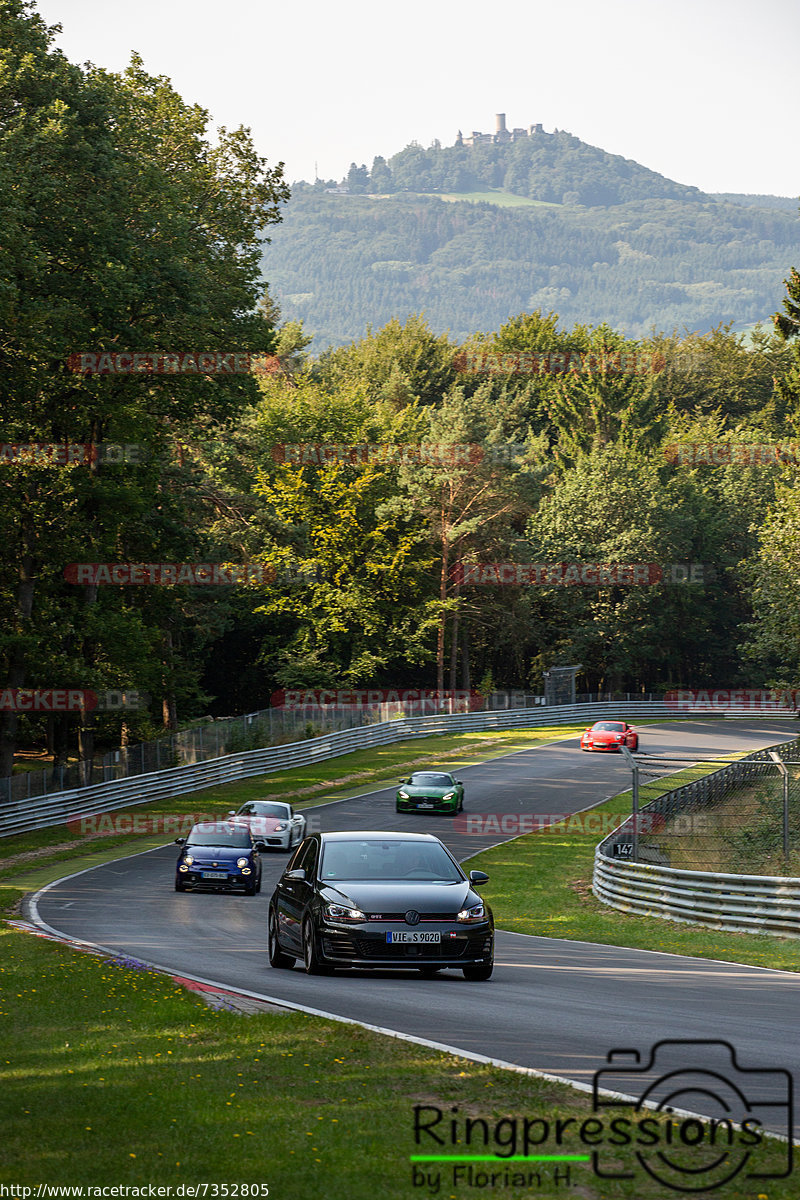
<point>199,743</point>
<point>742,818</point>
<point>213,738</point>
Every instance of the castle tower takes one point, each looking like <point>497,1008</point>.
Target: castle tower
<point>500,123</point>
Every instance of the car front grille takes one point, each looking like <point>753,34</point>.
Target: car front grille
<point>386,950</point>
<point>345,944</point>
<point>379,948</point>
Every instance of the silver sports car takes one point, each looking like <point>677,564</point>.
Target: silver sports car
<point>272,822</point>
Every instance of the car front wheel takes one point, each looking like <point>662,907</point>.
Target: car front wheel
<point>311,958</point>
<point>276,956</point>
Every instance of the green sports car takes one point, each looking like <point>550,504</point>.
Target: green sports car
<point>430,791</point>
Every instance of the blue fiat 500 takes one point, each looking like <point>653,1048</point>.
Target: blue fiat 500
<point>219,856</point>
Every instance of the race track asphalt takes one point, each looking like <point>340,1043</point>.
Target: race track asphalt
<point>556,1006</point>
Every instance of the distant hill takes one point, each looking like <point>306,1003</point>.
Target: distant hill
<point>554,167</point>
<point>542,222</point>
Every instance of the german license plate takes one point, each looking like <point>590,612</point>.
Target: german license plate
<point>413,937</point>
<point>425,804</point>
<point>215,874</point>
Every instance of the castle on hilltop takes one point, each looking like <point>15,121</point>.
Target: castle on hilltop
<point>500,135</point>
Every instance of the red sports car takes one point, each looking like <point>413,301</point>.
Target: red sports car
<point>610,735</point>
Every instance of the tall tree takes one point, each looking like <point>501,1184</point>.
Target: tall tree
<point>126,230</point>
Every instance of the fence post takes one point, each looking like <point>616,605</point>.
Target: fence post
<point>784,770</point>
<point>634,766</point>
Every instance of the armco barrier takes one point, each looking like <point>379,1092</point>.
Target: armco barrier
<point>739,903</point>
<point>20,816</point>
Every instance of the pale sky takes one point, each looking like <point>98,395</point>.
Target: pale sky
<point>703,91</point>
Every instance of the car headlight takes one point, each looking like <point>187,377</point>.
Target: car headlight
<point>187,858</point>
<point>242,862</point>
<point>339,912</point>
<point>470,915</point>
<point>183,867</point>
<point>401,795</point>
<point>449,796</point>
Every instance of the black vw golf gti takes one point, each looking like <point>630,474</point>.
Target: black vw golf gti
<point>363,899</point>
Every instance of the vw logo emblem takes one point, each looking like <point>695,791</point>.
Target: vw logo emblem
<point>412,917</point>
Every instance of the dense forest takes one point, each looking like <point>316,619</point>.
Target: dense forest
<point>596,237</point>
<point>363,553</point>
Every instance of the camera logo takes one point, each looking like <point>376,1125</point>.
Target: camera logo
<point>686,1077</point>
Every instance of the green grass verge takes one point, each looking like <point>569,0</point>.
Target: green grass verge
<point>112,1075</point>
<point>25,854</point>
<point>118,1076</point>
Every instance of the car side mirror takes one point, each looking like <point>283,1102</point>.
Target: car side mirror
<point>476,878</point>
<point>299,874</point>
<point>460,784</point>
<point>259,845</point>
<point>231,812</point>
<point>404,779</point>
<point>180,841</point>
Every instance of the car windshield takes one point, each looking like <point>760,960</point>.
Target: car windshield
<point>430,779</point>
<point>379,860</point>
<point>267,810</point>
<point>608,727</point>
<point>220,838</point>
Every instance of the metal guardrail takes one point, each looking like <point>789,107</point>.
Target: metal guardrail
<point>20,816</point>
<point>215,737</point>
<point>739,903</point>
<point>722,900</point>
